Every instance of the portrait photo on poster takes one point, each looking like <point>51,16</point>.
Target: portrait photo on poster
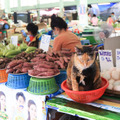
<point>32,110</point>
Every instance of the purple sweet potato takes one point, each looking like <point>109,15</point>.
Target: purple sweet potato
<point>41,55</point>
<point>60,64</point>
<point>46,73</point>
<point>33,72</point>
<point>26,64</point>
<point>18,71</point>
<point>20,61</point>
<point>10,70</point>
<point>19,66</point>
<point>35,59</point>
<point>12,64</point>
<point>25,69</point>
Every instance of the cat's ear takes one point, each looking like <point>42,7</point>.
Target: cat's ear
<point>78,49</point>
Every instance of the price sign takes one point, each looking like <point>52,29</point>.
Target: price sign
<point>14,40</point>
<point>45,41</point>
<point>118,58</point>
<point>106,61</point>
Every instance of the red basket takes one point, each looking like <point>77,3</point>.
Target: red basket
<point>85,96</point>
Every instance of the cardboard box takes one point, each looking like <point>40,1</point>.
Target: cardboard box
<point>112,44</point>
<point>18,29</point>
<point>10,32</point>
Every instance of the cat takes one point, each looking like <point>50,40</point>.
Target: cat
<point>83,71</point>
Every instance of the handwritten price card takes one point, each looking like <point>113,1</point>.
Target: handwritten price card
<point>45,41</point>
<point>14,40</point>
<point>118,58</point>
<point>106,61</point>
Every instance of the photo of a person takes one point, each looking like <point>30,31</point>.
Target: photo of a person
<point>2,102</point>
<point>3,115</point>
<point>18,111</point>
<point>32,110</point>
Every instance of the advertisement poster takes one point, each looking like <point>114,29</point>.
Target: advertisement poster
<point>21,105</point>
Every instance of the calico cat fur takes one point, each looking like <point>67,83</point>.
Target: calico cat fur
<point>83,71</point>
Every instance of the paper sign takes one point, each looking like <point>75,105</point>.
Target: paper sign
<point>14,40</point>
<point>118,58</point>
<point>45,41</point>
<point>106,61</point>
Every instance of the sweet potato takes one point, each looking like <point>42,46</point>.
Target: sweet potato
<point>12,64</point>
<point>20,61</point>
<point>19,66</point>
<point>60,64</point>
<point>18,71</point>
<point>65,59</point>
<point>41,55</point>
<point>26,64</point>
<point>46,73</point>
<point>33,72</point>
<point>10,70</point>
<point>35,59</point>
<point>25,69</point>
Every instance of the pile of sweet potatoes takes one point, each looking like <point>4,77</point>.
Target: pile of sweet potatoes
<point>28,56</point>
<point>60,59</point>
<point>18,66</point>
<point>4,62</point>
<point>43,68</point>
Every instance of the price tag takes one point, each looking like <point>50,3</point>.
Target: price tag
<point>45,41</point>
<point>106,61</point>
<point>118,58</point>
<point>14,40</point>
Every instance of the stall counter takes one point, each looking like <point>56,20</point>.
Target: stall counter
<point>102,109</point>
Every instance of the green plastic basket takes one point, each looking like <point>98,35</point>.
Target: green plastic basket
<point>42,86</point>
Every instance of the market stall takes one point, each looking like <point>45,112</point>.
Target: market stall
<point>106,108</point>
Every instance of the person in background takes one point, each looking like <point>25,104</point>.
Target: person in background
<point>113,17</point>
<point>3,15</point>
<point>110,21</point>
<point>94,20</point>
<point>89,19</point>
<point>32,37</point>
<point>32,112</point>
<point>65,38</point>
<point>2,102</point>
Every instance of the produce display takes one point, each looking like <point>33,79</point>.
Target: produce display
<point>48,64</point>
<point>28,56</point>
<point>18,66</point>
<point>60,59</point>
<point>38,62</point>
<point>11,51</point>
<point>113,76</point>
<point>4,62</point>
<point>43,68</point>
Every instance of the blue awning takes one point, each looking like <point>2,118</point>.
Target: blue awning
<point>105,7</point>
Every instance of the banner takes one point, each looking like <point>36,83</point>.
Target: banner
<point>20,105</point>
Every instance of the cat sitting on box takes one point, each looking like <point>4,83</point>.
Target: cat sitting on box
<point>83,73</point>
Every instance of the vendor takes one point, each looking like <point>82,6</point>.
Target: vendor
<point>65,38</point>
<point>32,37</point>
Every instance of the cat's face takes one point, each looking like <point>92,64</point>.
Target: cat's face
<point>85,57</point>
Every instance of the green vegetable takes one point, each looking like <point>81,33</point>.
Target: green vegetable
<point>12,52</point>
<point>30,49</point>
